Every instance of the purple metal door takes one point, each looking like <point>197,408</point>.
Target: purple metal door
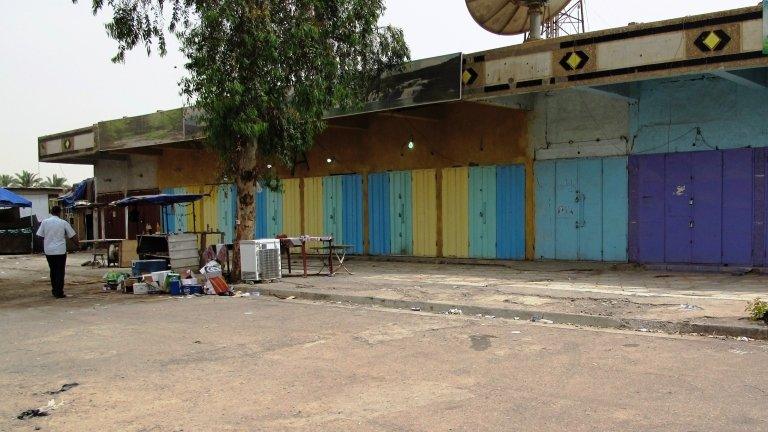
<point>707,205</point>
<point>646,210</point>
<point>737,210</point>
<point>677,206</point>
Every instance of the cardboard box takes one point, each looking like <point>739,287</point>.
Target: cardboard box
<point>128,253</point>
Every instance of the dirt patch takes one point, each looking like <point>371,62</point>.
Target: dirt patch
<point>481,342</point>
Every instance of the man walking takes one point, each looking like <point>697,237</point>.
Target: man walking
<point>55,233</point>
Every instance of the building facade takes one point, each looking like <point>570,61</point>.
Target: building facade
<point>643,144</point>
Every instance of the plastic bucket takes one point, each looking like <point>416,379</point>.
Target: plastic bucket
<point>175,287</point>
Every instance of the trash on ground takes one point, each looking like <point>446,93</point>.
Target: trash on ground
<point>249,313</point>
<point>517,318</point>
<point>743,339</point>
<point>242,294</point>
<point>739,352</point>
<point>65,387</point>
<point>416,309</point>
<point>644,330</point>
<point>39,412</point>
<point>490,316</point>
<point>689,307</point>
<point>36,412</point>
<point>454,311</point>
<point>546,321</point>
<point>215,282</point>
<point>515,332</point>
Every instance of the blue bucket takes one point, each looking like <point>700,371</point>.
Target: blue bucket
<point>175,288</point>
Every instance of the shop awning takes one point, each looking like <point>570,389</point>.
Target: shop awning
<point>162,199</point>
<point>10,199</point>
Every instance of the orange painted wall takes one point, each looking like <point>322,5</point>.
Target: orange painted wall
<point>463,134</point>
<point>179,167</point>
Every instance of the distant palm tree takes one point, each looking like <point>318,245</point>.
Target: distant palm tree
<point>6,180</point>
<point>55,182</point>
<point>26,179</point>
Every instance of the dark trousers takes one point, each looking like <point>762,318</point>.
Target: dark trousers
<point>57,264</point>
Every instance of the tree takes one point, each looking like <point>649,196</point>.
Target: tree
<point>6,180</point>
<point>55,182</point>
<point>262,72</point>
<point>26,179</point>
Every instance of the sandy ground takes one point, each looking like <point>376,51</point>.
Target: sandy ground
<point>208,364</point>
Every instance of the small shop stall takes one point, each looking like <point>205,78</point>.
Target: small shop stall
<point>9,199</point>
<point>180,250</point>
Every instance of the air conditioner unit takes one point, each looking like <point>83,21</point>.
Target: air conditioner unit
<point>260,260</point>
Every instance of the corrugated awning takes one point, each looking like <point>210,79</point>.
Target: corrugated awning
<point>162,199</point>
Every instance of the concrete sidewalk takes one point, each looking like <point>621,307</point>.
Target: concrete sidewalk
<point>596,294</point>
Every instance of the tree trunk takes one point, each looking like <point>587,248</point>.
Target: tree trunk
<point>245,180</point>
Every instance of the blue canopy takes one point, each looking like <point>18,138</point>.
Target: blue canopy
<point>162,199</point>
<point>77,194</point>
<point>10,199</point>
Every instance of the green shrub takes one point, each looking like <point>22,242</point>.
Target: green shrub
<point>758,310</point>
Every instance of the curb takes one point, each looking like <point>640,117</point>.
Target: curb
<point>752,332</point>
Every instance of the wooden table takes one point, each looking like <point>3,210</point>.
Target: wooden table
<point>286,243</point>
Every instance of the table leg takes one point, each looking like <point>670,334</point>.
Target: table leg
<point>323,262</point>
<point>288,250</point>
<point>304,256</point>
<point>330,257</point>
<point>341,261</point>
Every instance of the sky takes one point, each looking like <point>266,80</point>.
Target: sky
<point>56,74</point>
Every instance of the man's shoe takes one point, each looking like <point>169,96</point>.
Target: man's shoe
<point>61,296</point>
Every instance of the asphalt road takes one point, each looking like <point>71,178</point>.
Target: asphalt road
<point>210,364</point>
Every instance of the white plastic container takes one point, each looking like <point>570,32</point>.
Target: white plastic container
<point>160,276</point>
<point>140,288</point>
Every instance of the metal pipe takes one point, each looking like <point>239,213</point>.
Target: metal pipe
<point>31,233</point>
<point>536,17</point>
<point>125,195</point>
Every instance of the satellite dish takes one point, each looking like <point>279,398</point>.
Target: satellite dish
<point>510,17</point>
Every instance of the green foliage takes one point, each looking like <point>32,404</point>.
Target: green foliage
<point>758,310</point>
<point>143,22</point>
<point>6,180</point>
<point>54,182</point>
<point>26,179</point>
